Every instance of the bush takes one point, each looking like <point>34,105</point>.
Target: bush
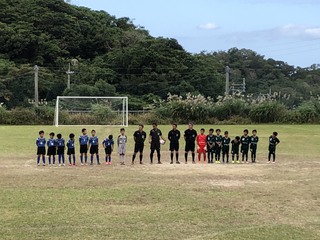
<point>308,112</point>
<point>268,112</point>
<point>230,108</point>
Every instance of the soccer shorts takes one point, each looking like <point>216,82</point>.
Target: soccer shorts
<point>174,146</point>
<point>52,151</point>
<point>245,149</point>
<point>122,149</point>
<point>253,148</point>
<point>201,149</point>
<point>83,148</point>
<point>272,149</point>
<point>71,151</point>
<point>108,150</point>
<point>138,147</point>
<point>94,149</point>
<point>60,150</point>
<point>41,151</point>
<point>226,150</point>
<point>210,150</point>
<point>190,146</point>
<point>155,146</point>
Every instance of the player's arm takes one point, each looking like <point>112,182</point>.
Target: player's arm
<point>118,140</point>
<point>161,136</point>
<point>169,136</point>
<point>150,138</point>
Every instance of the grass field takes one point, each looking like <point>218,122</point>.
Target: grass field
<point>250,201</point>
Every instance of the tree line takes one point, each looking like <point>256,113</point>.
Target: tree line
<point>116,57</point>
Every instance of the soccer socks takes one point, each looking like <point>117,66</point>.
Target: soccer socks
<point>70,159</point>
<point>177,157</point>
<point>49,159</point>
<point>141,156</point>
<point>74,160</point>
<point>98,158</point>
<point>171,155</point>
<point>91,159</point>
<point>133,157</point>
<point>54,159</point>
<point>186,157</point>
<point>38,160</point>
<point>43,159</point>
<point>86,158</point>
<point>81,159</point>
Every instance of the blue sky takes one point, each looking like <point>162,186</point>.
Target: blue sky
<point>287,30</point>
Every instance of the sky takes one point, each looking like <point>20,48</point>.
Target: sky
<point>286,30</point>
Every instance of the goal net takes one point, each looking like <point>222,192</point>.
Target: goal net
<point>76,110</point>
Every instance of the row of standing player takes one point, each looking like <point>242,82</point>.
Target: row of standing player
<point>57,147</point>
<point>212,144</point>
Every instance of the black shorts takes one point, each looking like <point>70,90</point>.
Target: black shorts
<point>272,149</point>
<point>52,151</point>
<point>155,146</point>
<point>71,151</point>
<point>235,151</point>
<point>108,150</point>
<point>60,150</point>
<point>41,151</point>
<point>217,150</point>
<point>138,147</point>
<point>226,150</point>
<point>190,146</point>
<point>210,150</point>
<point>174,146</point>
<point>94,149</point>
<point>245,149</point>
<point>83,148</point>
<point>253,148</point>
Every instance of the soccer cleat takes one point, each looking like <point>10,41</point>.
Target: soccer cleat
<point>193,162</point>
<point>232,161</point>
<point>238,161</point>
<point>177,162</point>
<point>59,165</point>
<point>107,163</point>
<point>218,162</point>
<point>91,164</point>
<point>273,162</point>
<point>159,162</point>
<point>186,162</point>
<point>70,164</point>
<point>82,164</point>
<point>64,164</point>
<point>38,164</point>
<point>44,165</point>
<point>171,162</point>
<point>141,162</point>
<point>269,161</point>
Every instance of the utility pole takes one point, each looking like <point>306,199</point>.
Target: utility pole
<point>36,85</point>
<point>227,81</point>
<point>69,72</point>
<point>244,85</point>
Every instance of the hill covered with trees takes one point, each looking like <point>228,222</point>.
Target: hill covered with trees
<point>116,57</point>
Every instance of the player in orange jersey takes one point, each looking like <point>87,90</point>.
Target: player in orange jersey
<point>202,142</point>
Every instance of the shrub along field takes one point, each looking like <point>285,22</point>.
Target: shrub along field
<point>234,201</point>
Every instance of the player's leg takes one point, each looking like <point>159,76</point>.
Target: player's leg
<point>141,148</point>
<point>151,153</point>
<point>158,154</point>
<point>74,159</point>
<point>86,157</point>
<point>38,159</point>
<point>274,156</point>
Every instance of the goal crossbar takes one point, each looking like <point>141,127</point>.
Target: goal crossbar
<point>125,107</point>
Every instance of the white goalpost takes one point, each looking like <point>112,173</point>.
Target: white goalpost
<point>80,110</point>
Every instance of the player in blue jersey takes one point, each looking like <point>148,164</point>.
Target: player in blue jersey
<point>52,149</point>
<point>108,145</point>
<point>84,141</point>
<point>41,148</point>
<point>61,147</point>
<point>71,151</point>
<point>94,147</point>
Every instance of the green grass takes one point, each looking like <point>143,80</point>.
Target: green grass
<point>260,201</point>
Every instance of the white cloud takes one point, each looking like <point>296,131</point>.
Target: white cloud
<point>209,26</point>
<point>299,31</point>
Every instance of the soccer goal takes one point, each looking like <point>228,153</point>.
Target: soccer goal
<point>86,111</point>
